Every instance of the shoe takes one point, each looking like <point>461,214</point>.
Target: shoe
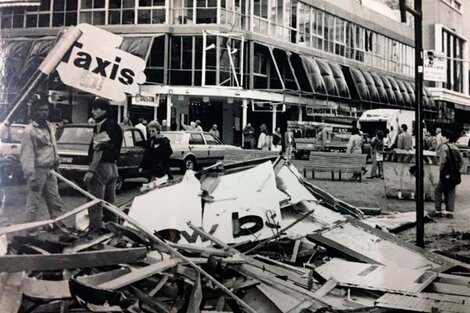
<point>448,214</point>
<point>371,177</point>
<point>364,171</point>
<point>436,214</point>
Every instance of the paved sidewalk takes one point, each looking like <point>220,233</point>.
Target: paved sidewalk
<point>371,193</point>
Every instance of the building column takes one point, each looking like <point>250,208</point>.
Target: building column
<point>274,120</point>
<point>119,114</point>
<point>125,113</point>
<point>244,117</point>
<point>301,114</point>
<point>168,111</point>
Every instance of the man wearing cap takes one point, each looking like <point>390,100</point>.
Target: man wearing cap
<point>39,157</point>
<point>104,150</point>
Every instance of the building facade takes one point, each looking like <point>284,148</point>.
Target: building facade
<point>446,30</point>
<point>229,62</point>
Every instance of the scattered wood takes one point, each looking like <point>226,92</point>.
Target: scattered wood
<point>15,263</point>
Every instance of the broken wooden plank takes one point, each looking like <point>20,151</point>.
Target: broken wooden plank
<point>417,304</point>
<point>32,225</point>
<point>450,289</point>
<point>80,245</point>
<point>139,274</point>
<point>46,289</point>
<point>329,285</point>
<point>11,291</point>
<point>15,263</point>
<point>370,245</point>
<point>376,277</point>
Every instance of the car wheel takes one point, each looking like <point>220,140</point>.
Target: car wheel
<point>189,164</point>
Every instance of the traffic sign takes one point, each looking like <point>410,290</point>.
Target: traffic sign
<point>95,64</point>
<point>434,66</point>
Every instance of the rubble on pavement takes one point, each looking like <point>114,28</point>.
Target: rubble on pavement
<point>246,237</point>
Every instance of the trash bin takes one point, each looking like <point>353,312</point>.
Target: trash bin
<point>400,174</point>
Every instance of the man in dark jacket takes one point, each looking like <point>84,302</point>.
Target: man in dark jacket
<point>157,153</point>
<point>104,150</point>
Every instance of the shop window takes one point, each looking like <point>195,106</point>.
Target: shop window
<point>93,12</point>
<point>151,12</point>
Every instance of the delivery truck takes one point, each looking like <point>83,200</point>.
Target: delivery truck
<point>387,120</point>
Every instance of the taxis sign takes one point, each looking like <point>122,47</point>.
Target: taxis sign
<point>95,64</point>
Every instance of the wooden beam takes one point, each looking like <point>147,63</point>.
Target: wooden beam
<point>11,291</point>
<point>450,289</point>
<point>16,263</point>
<point>139,274</point>
<point>46,289</point>
<point>32,225</point>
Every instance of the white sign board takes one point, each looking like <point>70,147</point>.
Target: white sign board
<point>145,100</point>
<point>95,64</point>
<point>434,66</point>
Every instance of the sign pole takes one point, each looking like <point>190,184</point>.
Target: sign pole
<point>417,12</point>
<point>419,124</point>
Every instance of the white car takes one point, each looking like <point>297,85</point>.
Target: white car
<point>192,149</point>
<point>463,142</point>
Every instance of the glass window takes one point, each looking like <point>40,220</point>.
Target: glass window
<point>138,138</point>
<point>211,140</point>
<point>196,139</point>
<point>128,139</point>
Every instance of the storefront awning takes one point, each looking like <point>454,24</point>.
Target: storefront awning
<point>388,88</point>
<point>314,76</point>
<point>373,92</point>
<point>379,84</point>
<point>139,46</point>
<point>20,59</point>
<point>404,92</point>
<point>360,83</point>
<point>328,78</point>
<point>411,92</point>
<point>396,91</point>
<point>340,80</point>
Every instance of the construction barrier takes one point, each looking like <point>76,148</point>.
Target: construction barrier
<point>400,174</point>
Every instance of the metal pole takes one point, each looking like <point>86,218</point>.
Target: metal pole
<point>419,123</point>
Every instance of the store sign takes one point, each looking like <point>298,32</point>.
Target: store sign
<point>145,100</point>
<point>95,64</point>
<point>434,66</point>
<point>331,111</point>
<point>267,107</point>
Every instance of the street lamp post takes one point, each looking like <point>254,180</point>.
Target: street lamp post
<point>418,21</point>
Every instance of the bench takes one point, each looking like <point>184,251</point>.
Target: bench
<point>335,162</point>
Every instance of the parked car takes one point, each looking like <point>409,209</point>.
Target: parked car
<point>73,142</point>
<point>10,146</point>
<point>193,149</point>
<point>463,142</point>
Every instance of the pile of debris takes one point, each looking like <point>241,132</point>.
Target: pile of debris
<point>238,238</point>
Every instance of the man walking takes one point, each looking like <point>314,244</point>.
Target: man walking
<point>450,161</point>
<point>103,152</point>
<point>405,141</point>
<point>38,157</point>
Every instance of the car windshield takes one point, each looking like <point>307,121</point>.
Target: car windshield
<point>75,135</point>
<point>175,138</point>
<point>13,134</point>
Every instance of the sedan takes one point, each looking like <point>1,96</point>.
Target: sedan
<point>193,149</point>
<point>73,142</point>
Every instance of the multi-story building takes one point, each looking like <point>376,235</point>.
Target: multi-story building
<point>445,30</point>
<point>230,62</point>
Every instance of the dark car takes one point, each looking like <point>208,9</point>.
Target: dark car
<point>73,142</point>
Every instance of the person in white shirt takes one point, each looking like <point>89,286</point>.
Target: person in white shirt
<point>198,126</point>
<point>142,125</point>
